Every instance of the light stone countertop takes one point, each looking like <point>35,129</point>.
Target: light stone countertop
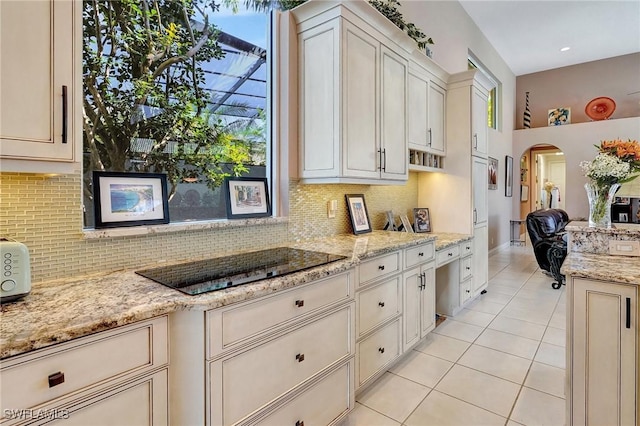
<point>620,269</point>
<point>61,310</point>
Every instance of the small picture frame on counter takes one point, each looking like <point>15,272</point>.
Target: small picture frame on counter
<point>421,220</point>
<point>406,225</point>
<point>391,222</point>
<point>360,222</point>
<point>130,199</point>
<point>247,197</point>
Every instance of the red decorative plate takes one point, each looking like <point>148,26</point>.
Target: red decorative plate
<point>600,108</point>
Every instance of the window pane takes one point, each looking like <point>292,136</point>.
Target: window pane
<point>182,96</point>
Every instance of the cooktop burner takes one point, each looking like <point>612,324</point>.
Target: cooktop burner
<point>219,273</point>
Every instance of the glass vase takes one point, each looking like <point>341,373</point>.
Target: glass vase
<point>600,199</point>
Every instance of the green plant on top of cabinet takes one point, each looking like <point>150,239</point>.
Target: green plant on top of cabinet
<point>39,82</point>
<point>352,95</point>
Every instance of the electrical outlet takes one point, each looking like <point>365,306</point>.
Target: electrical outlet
<point>624,248</point>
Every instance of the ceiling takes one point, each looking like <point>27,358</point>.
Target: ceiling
<point>528,35</point>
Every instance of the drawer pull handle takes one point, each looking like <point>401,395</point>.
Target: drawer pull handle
<point>299,423</point>
<point>628,321</point>
<point>381,304</point>
<point>299,303</point>
<point>381,267</point>
<point>468,291</point>
<point>424,280</point>
<point>468,248</point>
<point>421,254</point>
<point>300,357</point>
<point>56,379</point>
<point>449,254</point>
<point>381,350</point>
<point>468,267</point>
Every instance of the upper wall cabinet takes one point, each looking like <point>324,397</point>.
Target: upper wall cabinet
<point>38,82</point>
<point>426,112</point>
<point>467,99</point>
<point>352,94</point>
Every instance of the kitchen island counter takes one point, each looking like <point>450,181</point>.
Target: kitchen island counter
<point>64,309</point>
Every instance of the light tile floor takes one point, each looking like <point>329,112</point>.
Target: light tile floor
<point>501,361</point>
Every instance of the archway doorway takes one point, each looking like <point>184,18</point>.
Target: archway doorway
<point>542,178</point>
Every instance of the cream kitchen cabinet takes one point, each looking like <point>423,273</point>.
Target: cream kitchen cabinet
<point>479,126</point>
<point>454,277</point>
<point>419,303</point>
<point>602,353</point>
<point>379,320</point>
<point>352,92</point>
<point>266,359</point>
<point>480,278</point>
<point>426,112</point>
<point>39,108</point>
<point>109,378</point>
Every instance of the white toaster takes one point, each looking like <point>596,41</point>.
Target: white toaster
<point>15,281</point>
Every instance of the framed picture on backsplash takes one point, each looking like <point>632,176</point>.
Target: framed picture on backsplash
<point>247,197</point>
<point>358,213</point>
<point>421,220</point>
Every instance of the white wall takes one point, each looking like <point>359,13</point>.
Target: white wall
<point>455,34</point>
<point>577,142</point>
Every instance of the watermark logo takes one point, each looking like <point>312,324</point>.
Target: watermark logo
<point>36,414</point>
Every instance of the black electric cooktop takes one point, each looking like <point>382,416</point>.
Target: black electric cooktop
<point>219,273</point>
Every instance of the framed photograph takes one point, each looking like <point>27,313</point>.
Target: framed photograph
<point>247,197</point>
<point>524,192</point>
<point>130,199</point>
<point>623,217</point>
<point>391,222</point>
<point>622,200</point>
<point>493,173</point>
<point>406,225</point>
<point>358,213</point>
<point>508,177</point>
<point>559,116</point>
<point>421,220</point>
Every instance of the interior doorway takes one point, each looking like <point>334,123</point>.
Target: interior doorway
<point>542,179</point>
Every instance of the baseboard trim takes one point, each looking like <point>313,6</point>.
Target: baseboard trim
<point>498,248</point>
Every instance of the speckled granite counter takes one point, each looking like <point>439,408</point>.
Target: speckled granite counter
<point>603,267</point>
<point>584,239</point>
<point>61,310</point>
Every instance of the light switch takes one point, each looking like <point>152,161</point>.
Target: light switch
<point>332,206</point>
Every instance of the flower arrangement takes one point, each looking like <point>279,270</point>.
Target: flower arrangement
<point>617,162</point>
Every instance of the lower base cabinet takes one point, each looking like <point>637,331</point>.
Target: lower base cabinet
<point>419,308</point>
<point>602,354</point>
<point>378,351</point>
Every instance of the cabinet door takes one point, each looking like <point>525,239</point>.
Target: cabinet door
<point>394,116</point>
<point>428,299</point>
<point>436,118</point>
<point>360,102</point>
<point>480,258</point>
<point>411,307</point>
<point>417,115</point>
<point>479,123</point>
<point>35,111</point>
<point>605,358</point>
<point>480,188</point>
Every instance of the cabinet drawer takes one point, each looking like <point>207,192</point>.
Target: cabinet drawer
<point>377,304</point>
<point>447,255</point>
<point>379,267</point>
<point>420,254</point>
<point>26,379</point>
<point>320,405</point>
<point>378,350</point>
<point>246,382</point>
<point>230,327</point>
<point>465,267</point>
<point>465,291</point>
<point>466,248</point>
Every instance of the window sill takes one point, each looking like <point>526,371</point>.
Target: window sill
<point>94,234</point>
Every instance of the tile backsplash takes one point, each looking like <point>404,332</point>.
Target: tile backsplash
<point>45,213</point>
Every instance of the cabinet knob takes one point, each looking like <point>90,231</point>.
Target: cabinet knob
<point>300,357</point>
<point>381,267</point>
<point>299,303</point>
<point>421,254</point>
<point>381,350</point>
<point>468,291</point>
<point>56,379</point>
<point>299,423</point>
<point>468,248</point>
<point>449,254</point>
<point>468,267</point>
<point>381,304</point>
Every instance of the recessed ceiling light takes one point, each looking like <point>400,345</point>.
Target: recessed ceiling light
<point>564,49</point>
